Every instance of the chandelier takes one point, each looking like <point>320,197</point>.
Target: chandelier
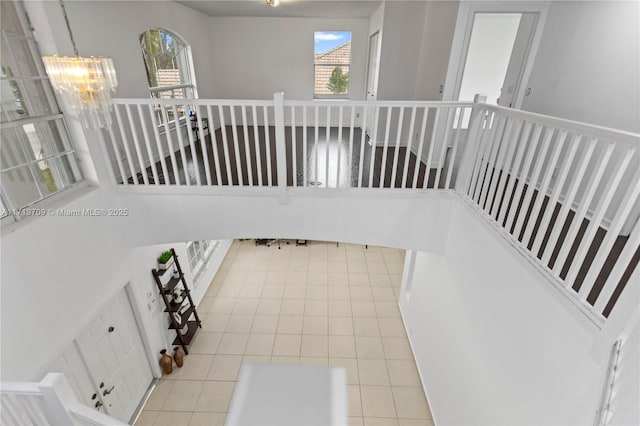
<point>85,84</point>
<point>272,3</point>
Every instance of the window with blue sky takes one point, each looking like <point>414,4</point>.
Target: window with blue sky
<point>332,62</point>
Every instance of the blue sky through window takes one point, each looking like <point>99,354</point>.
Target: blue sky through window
<point>327,40</point>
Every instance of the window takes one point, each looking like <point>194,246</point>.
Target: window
<point>332,63</point>
<point>168,62</point>
<point>199,254</point>
<point>37,158</point>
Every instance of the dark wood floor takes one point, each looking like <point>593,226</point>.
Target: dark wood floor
<point>234,160</point>
<point>612,256</point>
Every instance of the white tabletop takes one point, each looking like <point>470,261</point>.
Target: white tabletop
<point>289,395</point>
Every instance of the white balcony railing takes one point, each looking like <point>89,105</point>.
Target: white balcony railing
<point>565,194</point>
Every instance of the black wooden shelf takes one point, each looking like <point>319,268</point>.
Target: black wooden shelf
<point>172,308</point>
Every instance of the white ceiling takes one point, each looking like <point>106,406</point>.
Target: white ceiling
<point>287,8</point>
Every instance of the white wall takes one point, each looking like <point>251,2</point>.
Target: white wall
<point>113,29</point>
<point>493,337</point>
<point>588,64</point>
<point>440,22</point>
<point>254,57</point>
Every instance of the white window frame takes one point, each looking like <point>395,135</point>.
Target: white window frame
<point>328,95</point>
<point>200,257</point>
<point>10,210</point>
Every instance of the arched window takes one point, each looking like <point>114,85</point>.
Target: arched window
<point>167,58</point>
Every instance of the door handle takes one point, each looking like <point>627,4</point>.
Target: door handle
<point>107,391</point>
<point>98,405</point>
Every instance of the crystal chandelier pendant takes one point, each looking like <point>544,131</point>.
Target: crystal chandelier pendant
<point>86,85</point>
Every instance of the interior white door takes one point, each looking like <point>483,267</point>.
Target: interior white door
<point>372,69</point>
<point>515,70</point>
<point>71,365</point>
<point>113,352</point>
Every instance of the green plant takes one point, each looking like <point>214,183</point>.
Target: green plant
<point>178,293</point>
<point>164,257</point>
<point>338,82</point>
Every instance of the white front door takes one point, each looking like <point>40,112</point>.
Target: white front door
<point>113,352</point>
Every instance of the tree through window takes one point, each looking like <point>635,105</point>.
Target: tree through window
<point>168,63</point>
<point>332,62</point>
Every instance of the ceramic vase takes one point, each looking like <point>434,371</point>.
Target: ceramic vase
<point>178,356</point>
<point>166,362</point>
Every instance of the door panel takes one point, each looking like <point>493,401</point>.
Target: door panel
<point>515,69</point>
<point>113,352</point>
<point>372,70</point>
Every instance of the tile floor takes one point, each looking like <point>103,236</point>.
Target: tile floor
<point>314,305</point>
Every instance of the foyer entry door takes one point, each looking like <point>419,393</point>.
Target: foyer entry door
<point>112,350</point>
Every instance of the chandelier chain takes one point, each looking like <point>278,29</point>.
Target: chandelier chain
<point>66,19</point>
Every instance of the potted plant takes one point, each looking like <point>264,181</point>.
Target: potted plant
<point>178,295</point>
<point>165,260</point>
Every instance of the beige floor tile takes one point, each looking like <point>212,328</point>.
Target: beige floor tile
<point>239,323</point>
<point>215,397</point>
<point>290,324</point>
<point>205,343</point>
<point>314,361</point>
<point>373,372</point>
<point>258,276</point>
<point>350,365</point>
<point>397,348</point>
<point>315,325</point>
<point>233,343</point>
<point>342,347</point>
<point>277,277</point>
<point>272,291</point>
<point>335,266</point>
<point>339,293</point>
<point>380,280</point>
<point>317,266</point>
<point>172,418</point>
<point>383,294</point>
<point>256,359</point>
<point>214,322</point>
<point>377,401</point>
<point>292,307</point>
<point>293,360</point>
<point>159,394</point>
<point>294,292</point>
<point>316,293</point>
<point>377,268</point>
<point>396,280</point>
<point>395,267</point>
<point>340,326</point>
<point>269,307</point>
<point>265,324</point>
<point>366,327</point>
<point>246,306</point>
<point>363,309</point>
<point>369,347</point>
<point>411,403</point>
<point>260,344</point>
<point>356,421</point>
<point>314,346</point>
<point>316,307</point>
<point>207,419</point>
<point>359,279</point>
<point>225,367</point>
<point>296,277</point>
<point>391,327</point>
<point>387,309</point>
<point>229,290</point>
<point>361,293</point>
<point>182,396</point>
<point>357,266</point>
<point>403,372</point>
<point>340,308</point>
<point>416,422</point>
<point>250,291</point>
<point>317,278</point>
<point>355,402</point>
<point>298,266</point>
<point>146,418</point>
<point>287,345</point>
<point>380,421</point>
<point>222,305</point>
<point>195,367</point>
